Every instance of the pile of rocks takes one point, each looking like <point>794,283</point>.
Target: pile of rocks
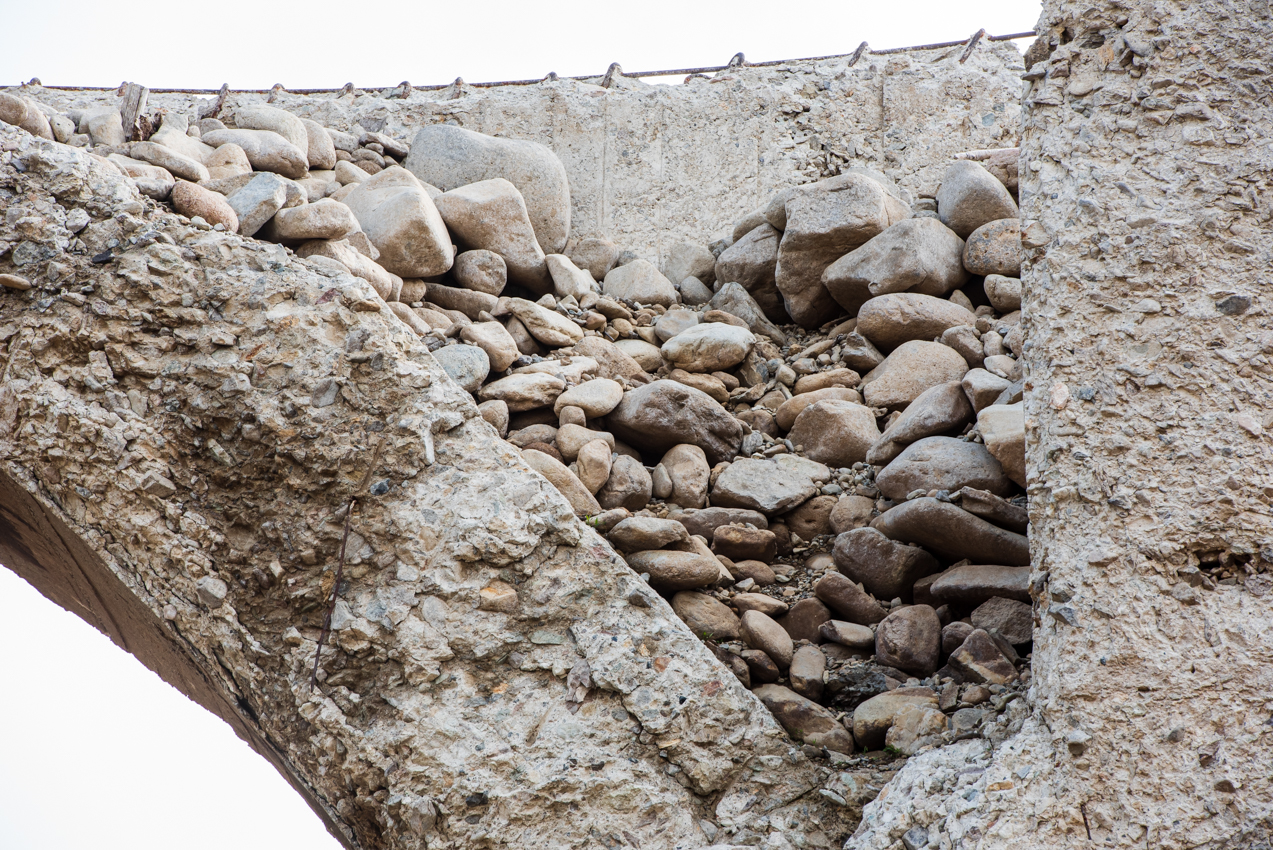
<point>807,436</point>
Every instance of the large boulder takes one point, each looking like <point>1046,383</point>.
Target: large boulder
<point>663,414</point>
<point>708,347</point>
<point>952,533</point>
<point>805,720</point>
<point>886,568</point>
<point>872,719</point>
<point>937,410</point>
<point>848,600</point>
<point>976,584</point>
<point>641,282</point>
<point>265,149</point>
<point>688,475</point>
<point>787,412</point>
<point>824,222</point>
<point>689,259</point>
<point>837,433</point>
<point>491,214</point>
<point>890,320</point>
<point>995,248</point>
<point>909,639</point>
<point>733,299</point>
<point>262,116</point>
<point>449,157</point>
<point>971,196</point>
<point>20,112</point>
<point>943,463</point>
<point>913,367</point>
<point>751,262</point>
<point>1002,428</point>
<point>403,223</point>
<point>770,486</point>
<point>915,255</point>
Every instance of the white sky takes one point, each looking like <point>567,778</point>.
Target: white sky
<point>96,751</point>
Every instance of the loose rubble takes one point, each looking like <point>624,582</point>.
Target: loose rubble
<point>808,436</point>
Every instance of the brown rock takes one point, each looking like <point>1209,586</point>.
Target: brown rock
<point>825,380</point>
<point>979,659</point>
<point>1012,619</point>
<point>954,635</point>
<point>760,631</point>
<point>191,200</point>
<point>566,482</point>
<point>804,620</point>
<point>807,667</point>
<point>848,600</point>
<point>671,571</point>
<point>761,667</point>
<point>890,320</point>
<point>759,602</point>
<point>706,617</point>
<point>910,640</point>
<point>481,271</point>
<point>813,518</point>
<point>990,507</point>
<point>628,487</point>
<point>689,475</point>
<point>913,367</point>
<point>770,486</point>
<point>995,248</point>
<point>751,262</point>
<point>792,407</point>
<point>974,584</point>
<point>705,521</point>
<point>872,719</point>
<point>738,542</point>
<point>851,512</point>
<point>664,414</point>
<point>492,338</point>
<point>970,196</point>
<point>491,214</point>
<point>952,533</point>
<point>805,720</point>
<point>757,571</point>
<point>943,463</point>
<point>938,410</point>
<point>611,361</point>
<point>837,433</point>
<point>641,533</point>
<point>918,255</point>
<point>847,634</point>
<point>887,569</point>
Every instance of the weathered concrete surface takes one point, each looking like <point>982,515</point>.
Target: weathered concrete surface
<point>1149,407</point>
<point>182,425</point>
<point>651,165</point>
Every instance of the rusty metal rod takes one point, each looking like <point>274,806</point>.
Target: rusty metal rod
<point>669,73</point>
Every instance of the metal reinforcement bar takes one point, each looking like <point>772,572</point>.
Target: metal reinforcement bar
<point>737,62</point>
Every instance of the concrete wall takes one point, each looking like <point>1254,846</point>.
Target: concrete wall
<point>650,165</point>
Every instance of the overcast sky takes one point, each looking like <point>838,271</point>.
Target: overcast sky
<point>95,751</point>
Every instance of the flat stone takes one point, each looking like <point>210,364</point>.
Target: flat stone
<point>807,667</point>
<point>663,414</point>
<point>909,639</point>
<point>740,543</point>
<point>708,347</point>
<point>401,220</point>
<point>990,507</point>
<point>787,412</point>
<point>824,221</point>
<point>704,522</point>
<point>467,365</point>
<point>995,248</point>
<point>872,719</point>
<point>913,367</point>
<point>628,487</point>
<point>671,571</point>
<point>481,270</point>
<point>943,463</point>
<point>757,571</point>
<point>547,326</point>
<point>974,584</point>
<point>175,163</point>
<point>847,634</point>
<point>970,196</point>
<point>1012,619</point>
<point>492,214</point>
<point>980,660</point>
<point>890,320</point>
<point>760,602</point>
<point>886,568</point>
<point>639,281</point>
<point>257,202</point>
<point>836,433</point>
<point>762,632</point>
<point>952,533</point>
<point>706,617</point>
<point>848,600</point>
<point>825,380</point>
<point>915,255</point>
<point>804,620</point>
<point>467,301</point>
<point>805,720</point>
<point>769,486</point>
<point>449,157</point>
<point>525,391</point>
<point>595,398</point>
<point>265,149</point>
<point>1002,427</point>
<point>566,482</point>
<point>640,533</point>
<point>751,262</point>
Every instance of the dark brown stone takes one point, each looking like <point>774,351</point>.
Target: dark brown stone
<point>979,659</point>
<point>952,533</point>
<point>910,639</point>
<point>745,544</point>
<point>804,618</point>
<point>975,583</point>
<point>805,720</point>
<point>757,571</point>
<point>1012,619</point>
<point>761,667</point>
<point>705,521</point>
<point>990,507</point>
<point>954,635</point>
<point>806,671</point>
<point>848,600</point>
<point>886,568</point>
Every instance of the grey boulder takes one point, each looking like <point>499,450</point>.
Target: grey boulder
<point>971,196</point>
<point>663,414</point>
<point>943,463</point>
<point>915,255</point>
<point>492,214</point>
